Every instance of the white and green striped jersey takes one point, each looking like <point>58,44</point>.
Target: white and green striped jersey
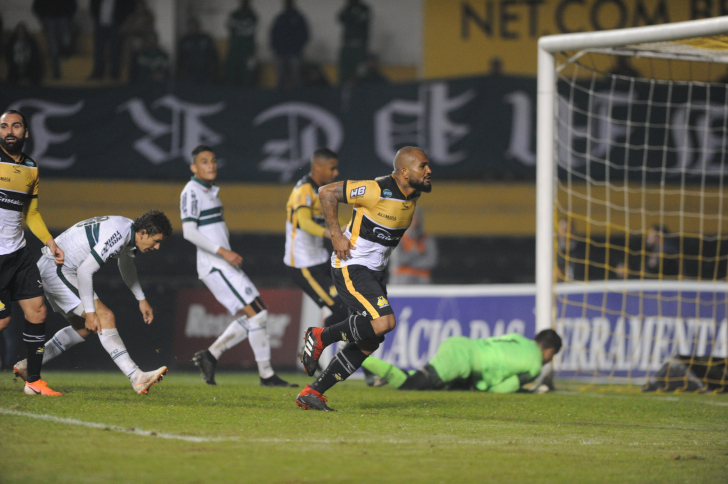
<point>104,238</point>
<point>200,204</point>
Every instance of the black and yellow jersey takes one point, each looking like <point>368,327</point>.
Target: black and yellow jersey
<point>382,214</point>
<point>305,226</point>
<point>18,186</point>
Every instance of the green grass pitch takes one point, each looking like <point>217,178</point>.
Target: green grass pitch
<point>187,432</point>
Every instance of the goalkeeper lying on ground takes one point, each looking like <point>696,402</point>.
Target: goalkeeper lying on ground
<point>501,364</point>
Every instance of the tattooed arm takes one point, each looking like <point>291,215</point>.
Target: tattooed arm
<point>331,195</point>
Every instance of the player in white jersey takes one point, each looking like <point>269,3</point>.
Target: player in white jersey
<point>219,268</point>
<point>69,289</point>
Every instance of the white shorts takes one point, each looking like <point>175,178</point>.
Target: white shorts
<point>61,288</point>
<point>231,287</point>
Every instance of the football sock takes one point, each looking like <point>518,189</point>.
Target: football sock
<point>394,376</point>
<point>236,332</point>
<point>419,380</point>
<point>34,337</point>
<point>346,362</point>
<point>260,343</point>
<point>112,343</point>
<point>353,328</point>
<point>63,340</point>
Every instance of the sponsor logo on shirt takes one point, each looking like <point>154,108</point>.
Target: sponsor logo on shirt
<point>4,198</point>
<point>382,302</point>
<point>383,234</point>
<point>387,193</point>
<point>388,217</point>
<point>5,178</point>
<point>357,192</point>
<point>115,237</point>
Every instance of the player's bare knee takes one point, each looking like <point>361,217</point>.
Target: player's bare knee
<point>384,324</point>
<point>36,314</point>
<point>4,323</point>
<point>106,315</point>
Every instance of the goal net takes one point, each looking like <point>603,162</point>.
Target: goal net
<point>632,231</point>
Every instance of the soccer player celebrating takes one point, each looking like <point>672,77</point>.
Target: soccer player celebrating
<point>502,364</point>
<point>306,258</point>
<point>383,210</point>
<point>19,277</point>
<point>69,289</point>
<point>219,268</point>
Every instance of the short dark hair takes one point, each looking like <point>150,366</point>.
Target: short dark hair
<point>324,153</point>
<point>152,223</point>
<point>200,149</point>
<point>548,338</point>
<point>15,111</point>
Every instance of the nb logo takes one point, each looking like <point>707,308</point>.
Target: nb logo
<point>357,192</point>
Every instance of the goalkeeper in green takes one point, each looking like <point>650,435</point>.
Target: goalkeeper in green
<point>502,364</point>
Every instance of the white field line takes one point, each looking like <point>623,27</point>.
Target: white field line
<point>437,440</point>
<point>115,428</point>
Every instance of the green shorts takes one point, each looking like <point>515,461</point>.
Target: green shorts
<point>454,359</point>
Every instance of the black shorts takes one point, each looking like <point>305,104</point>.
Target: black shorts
<point>19,279</point>
<point>363,290</point>
<point>317,283</point>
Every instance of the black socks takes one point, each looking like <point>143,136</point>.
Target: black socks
<point>346,362</point>
<point>354,328</point>
<point>34,336</point>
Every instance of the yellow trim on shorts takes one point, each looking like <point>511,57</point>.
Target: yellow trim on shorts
<point>357,295</point>
<point>317,287</point>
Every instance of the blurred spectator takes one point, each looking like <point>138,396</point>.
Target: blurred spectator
<point>570,252</point>
<point>240,65</point>
<point>416,255</point>
<point>355,19</point>
<point>370,72</point>
<point>137,26</point>
<point>288,37</point>
<point>196,55</point>
<point>150,63</point>
<point>622,67</point>
<point>660,258</point>
<point>313,75</point>
<point>108,16</point>
<point>23,57</point>
<point>56,18</point>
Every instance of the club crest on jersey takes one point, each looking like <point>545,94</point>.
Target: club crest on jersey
<point>2,305</point>
<point>357,192</point>
<point>29,182</point>
<point>382,302</point>
<point>387,193</point>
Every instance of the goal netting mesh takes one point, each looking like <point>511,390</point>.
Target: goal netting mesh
<point>640,229</point>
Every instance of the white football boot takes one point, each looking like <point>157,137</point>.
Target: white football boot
<point>144,381</point>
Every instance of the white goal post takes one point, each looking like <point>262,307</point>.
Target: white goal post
<point>637,42</point>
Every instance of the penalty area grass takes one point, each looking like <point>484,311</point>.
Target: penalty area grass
<point>185,431</point>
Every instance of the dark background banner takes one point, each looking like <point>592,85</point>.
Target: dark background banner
<point>480,128</point>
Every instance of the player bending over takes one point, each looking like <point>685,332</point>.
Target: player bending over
<point>383,210</point>
<point>69,289</point>
<point>502,364</point>
<point>219,268</point>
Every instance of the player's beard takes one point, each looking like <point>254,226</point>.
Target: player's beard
<point>15,147</point>
<point>421,185</point>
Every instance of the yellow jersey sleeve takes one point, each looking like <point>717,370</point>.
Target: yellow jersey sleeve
<point>365,193</point>
<point>304,197</point>
<point>35,221</point>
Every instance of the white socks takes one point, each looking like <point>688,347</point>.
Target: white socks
<point>252,328</point>
<point>112,343</point>
<point>260,342</point>
<point>236,332</point>
<point>61,341</point>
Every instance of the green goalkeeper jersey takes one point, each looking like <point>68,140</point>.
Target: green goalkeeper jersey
<point>500,364</point>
